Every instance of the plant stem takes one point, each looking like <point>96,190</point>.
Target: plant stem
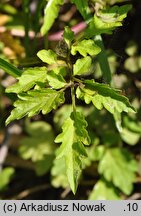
<point>103,60</point>
<point>46,41</point>
<point>26,26</point>
<point>70,66</point>
<point>73,98</point>
<point>36,23</point>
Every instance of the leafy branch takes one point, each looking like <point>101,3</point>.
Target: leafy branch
<point>42,89</point>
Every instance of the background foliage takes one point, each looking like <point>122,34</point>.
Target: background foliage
<point>31,169</point>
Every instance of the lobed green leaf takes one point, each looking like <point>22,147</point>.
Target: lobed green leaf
<point>38,143</point>
<point>34,101</point>
<point>56,81</point>
<point>119,167</point>
<point>5,177</point>
<point>28,79</point>
<point>130,137</point>
<point>73,138</point>
<point>107,20</point>
<point>101,95</point>
<point>82,66</point>
<point>50,14</point>
<point>104,190</point>
<point>83,7</point>
<point>43,166</point>
<point>59,178</point>
<point>68,35</point>
<point>85,47</point>
<point>47,56</point>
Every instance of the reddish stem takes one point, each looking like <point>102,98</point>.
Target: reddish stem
<point>51,37</point>
<point>76,29</point>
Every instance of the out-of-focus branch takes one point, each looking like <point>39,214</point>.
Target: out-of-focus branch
<point>30,191</point>
<point>76,29</point>
<point>18,162</point>
<point>51,37</point>
<point>68,15</point>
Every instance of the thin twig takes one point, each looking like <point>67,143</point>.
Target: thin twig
<point>68,15</point>
<point>135,196</point>
<point>65,192</point>
<point>18,162</point>
<point>29,191</point>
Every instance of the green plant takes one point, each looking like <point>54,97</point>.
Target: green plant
<point>42,89</point>
<point>5,176</point>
